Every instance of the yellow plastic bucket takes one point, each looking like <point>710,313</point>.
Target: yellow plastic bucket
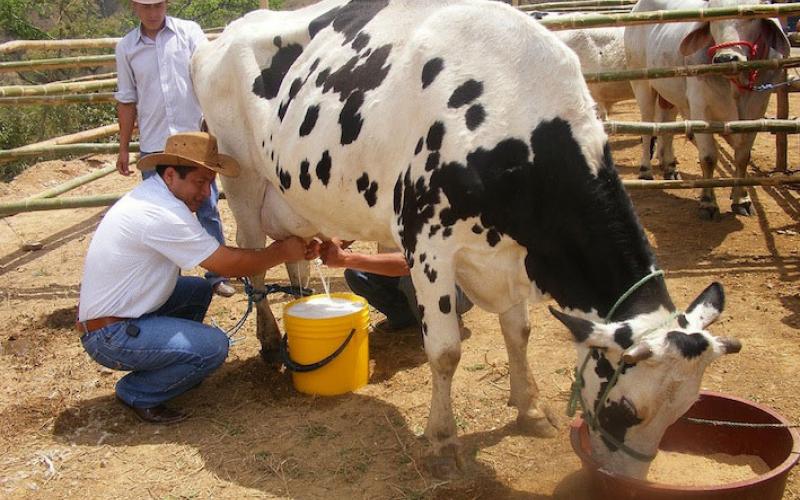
<point>311,342</point>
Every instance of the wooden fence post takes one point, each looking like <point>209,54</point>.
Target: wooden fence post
<point>781,141</point>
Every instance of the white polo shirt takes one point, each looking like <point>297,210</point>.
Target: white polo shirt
<point>155,74</point>
<point>137,252</point>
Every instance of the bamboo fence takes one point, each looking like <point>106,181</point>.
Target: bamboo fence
<point>58,63</point>
<point>668,16</point>
<point>57,88</point>
<point>64,149</point>
<point>96,98</point>
<point>578,3</point>
<point>85,135</point>
<point>35,205</point>
<point>84,78</point>
<point>67,44</point>
<point>702,127</point>
<point>694,70</point>
<point>596,10</point>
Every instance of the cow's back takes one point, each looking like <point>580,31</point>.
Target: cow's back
<point>395,90</point>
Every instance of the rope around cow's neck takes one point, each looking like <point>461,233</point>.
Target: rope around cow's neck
<point>576,395</point>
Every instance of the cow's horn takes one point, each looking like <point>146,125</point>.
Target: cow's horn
<point>637,353</point>
<point>730,345</point>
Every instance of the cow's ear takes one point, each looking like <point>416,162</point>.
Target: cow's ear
<point>697,39</point>
<point>772,32</point>
<point>585,331</point>
<point>707,307</point>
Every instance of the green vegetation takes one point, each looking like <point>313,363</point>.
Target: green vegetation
<point>60,19</point>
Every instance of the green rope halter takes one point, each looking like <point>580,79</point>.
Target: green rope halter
<point>576,394</point>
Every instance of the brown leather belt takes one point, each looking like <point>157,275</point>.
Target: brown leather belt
<point>96,324</point>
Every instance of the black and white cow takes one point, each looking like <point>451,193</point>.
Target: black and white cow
<point>461,132</point>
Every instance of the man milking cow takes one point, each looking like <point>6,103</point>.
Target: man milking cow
<point>137,313</point>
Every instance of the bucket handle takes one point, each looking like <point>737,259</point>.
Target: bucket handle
<point>301,368</point>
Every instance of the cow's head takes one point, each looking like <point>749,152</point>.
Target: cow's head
<point>735,40</point>
<point>658,364</point>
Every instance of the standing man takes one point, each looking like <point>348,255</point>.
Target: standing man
<point>155,89</point>
<point>136,312</point>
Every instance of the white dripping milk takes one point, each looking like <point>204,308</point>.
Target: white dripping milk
<point>323,307</point>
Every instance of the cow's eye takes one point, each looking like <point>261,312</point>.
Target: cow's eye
<point>629,406</point>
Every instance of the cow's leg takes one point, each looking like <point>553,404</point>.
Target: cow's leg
<point>533,416</point>
<point>443,346</point>
<point>646,98</point>
<point>244,194</point>
<point>740,197</point>
<point>666,152</point>
<point>707,150</point>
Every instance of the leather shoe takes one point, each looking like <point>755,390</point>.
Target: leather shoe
<point>156,415</point>
<point>224,289</point>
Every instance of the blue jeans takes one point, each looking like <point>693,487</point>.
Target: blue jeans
<point>173,351</point>
<point>207,214</point>
<point>394,296</point>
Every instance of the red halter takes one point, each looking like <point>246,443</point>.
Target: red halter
<point>752,75</point>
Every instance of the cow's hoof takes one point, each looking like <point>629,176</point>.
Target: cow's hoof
<point>445,465</point>
<point>708,213</point>
<point>672,176</point>
<point>540,423</point>
<point>644,176</point>
<point>745,209</point>
<point>272,357</point>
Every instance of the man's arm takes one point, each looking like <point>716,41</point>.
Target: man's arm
<point>385,264</point>
<point>126,114</point>
<point>234,262</point>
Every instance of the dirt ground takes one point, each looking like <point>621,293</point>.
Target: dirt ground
<point>252,435</point>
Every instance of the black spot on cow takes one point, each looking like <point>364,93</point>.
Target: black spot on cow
<point>423,256</point>
<point>623,336</point>
<point>682,321</point>
<point>313,68</point>
<point>444,304</point>
<point>448,231</point>
<point>322,77</point>
<point>603,369</point>
<point>286,179</point>
<point>465,94</point>
<point>417,207</point>
<point>432,162</point>
<point>492,237</point>
<point>433,230</point>
<point>689,345</point>
<point>350,119</point>
<point>297,84</point>
<point>362,182</point>
<point>421,311</point>
<point>435,136</point>
<point>305,178</point>
<point>616,418</point>
<point>431,273</point>
<point>272,155</point>
<point>360,42</point>
<point>310,120</point>
<point>420,143</point>
<point>348,19</point>
<point>324,168</point>
<point>370,190</point>
<point>398,194</point>
<point>268,83</point>
<point>431,70</point>
<point>475,116</point>
<point>477,229</point>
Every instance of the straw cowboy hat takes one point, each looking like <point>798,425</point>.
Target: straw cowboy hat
<point>192,149</point>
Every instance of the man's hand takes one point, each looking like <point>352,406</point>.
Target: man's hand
<point>294,248</point>
<point>332,254</point>
<point>123,162</point>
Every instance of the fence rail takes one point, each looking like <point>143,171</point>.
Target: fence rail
<point>99,97</point>
<point>64,149</point>
<point>702,127</point>
<point>57,88</point>
<point>58,63</point>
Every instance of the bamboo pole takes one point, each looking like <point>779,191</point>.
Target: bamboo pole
<point>35,205</point>
<point>74,183</point>
<point>85,135</point>
<point>669,16</point>
<point>96,98</point>
<point>597,10</point>
<point>66,44</point>
<point>99,76</point>
<point>578,3</point>
<point>701,127</point>
<point>694,70</point>
<point>777,180</point>
<point>65,149</point>
<point>57,88</point>
<point>781,141</point>
<point>58,63</point>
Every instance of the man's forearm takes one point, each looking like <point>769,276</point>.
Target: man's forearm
<point>126,115</point>
<point>236,262</point>
<point>386,264</point>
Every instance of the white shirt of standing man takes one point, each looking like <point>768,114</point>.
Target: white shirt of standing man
<point>154,79</point>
